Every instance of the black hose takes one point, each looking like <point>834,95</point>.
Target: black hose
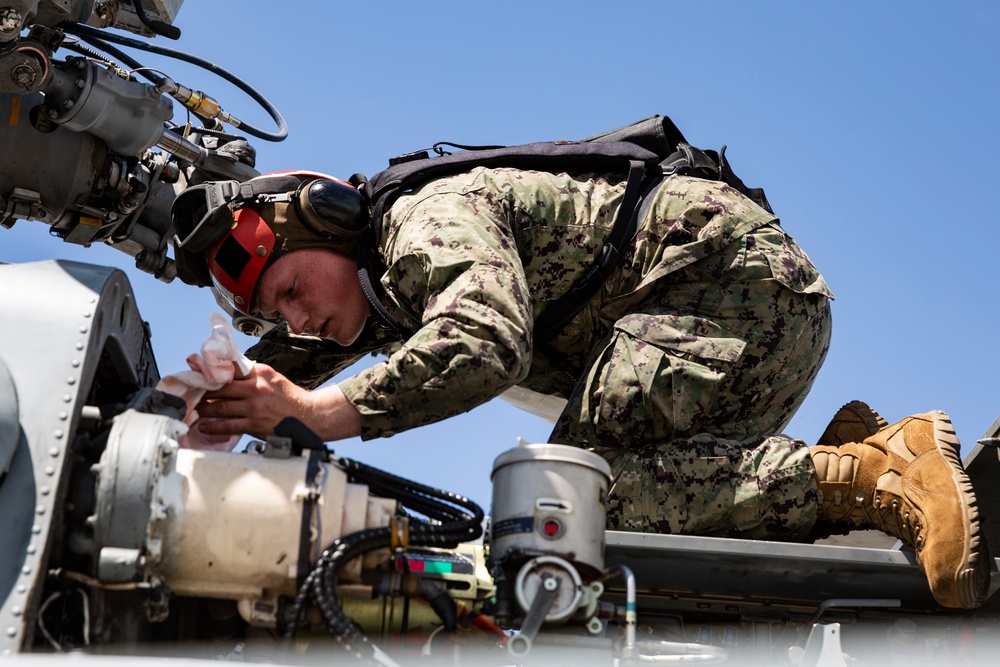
<point>100,39</point>
<point>459,519</point>
<point>159,27</point>
<point>465,526</point>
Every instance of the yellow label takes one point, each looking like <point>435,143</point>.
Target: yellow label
<point>15,110</point>
<point>91,222</point>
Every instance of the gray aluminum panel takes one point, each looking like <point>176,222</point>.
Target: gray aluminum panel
<point>770,573</point>
<point>59,322</point>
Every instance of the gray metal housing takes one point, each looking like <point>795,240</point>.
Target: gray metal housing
<point>71,336</point>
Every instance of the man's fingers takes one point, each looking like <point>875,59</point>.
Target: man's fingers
<point>221,408</point>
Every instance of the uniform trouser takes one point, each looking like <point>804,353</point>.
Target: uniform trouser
<point>686,395</point>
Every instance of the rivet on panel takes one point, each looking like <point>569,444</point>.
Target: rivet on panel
<point>58,433</point>
<point>63,415</point>
<point>26,570</point>
<point>54,452</point>
<point>79,346</point>
<point>67,398</point>
<point>45,490</point>
<point>71,380</point>
<point>12,631</point>
<point>83,329</point>
<point>40,510</point>
<point>49,470</point>
<point>31,549</point>
<point>75,363</point>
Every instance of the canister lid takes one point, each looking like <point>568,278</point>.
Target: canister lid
<point>552,452</point>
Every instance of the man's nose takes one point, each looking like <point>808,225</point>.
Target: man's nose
<point>296,322</point>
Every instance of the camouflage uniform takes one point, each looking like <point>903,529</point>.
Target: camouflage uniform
<point>699,347</point>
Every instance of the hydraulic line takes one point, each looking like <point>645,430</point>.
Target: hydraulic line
<point>456,519</point>
<point>159,27</point>
<point>100,39</point>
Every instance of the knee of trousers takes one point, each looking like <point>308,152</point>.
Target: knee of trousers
<point>761,488</point>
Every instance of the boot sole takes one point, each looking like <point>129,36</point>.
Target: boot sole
<point>871,420</point>
<point>972,580</point>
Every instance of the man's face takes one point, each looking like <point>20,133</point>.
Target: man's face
<point>317,292</point>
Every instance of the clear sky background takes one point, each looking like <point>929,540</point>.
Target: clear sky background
<point>872,127</point>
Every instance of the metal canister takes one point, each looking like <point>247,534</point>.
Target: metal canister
<point>550,499</point>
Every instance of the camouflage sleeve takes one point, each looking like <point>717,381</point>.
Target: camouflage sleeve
<point>309,362</point>
<point>453,266</point>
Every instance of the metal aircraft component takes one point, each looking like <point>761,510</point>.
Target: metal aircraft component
<point>190,519</point>
<point>547,537</point>
<point>89,337</point>
<point>79,137</point>
<point>96,490</point>
<point>87,97</point>
<point>550,499</point>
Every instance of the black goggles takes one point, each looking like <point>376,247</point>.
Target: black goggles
<point>202,214</point>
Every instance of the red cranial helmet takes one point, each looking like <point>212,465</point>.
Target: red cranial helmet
<point>228,233</point>
<point>236,261</point>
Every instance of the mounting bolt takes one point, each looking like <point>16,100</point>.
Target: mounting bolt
<point>23,75</point>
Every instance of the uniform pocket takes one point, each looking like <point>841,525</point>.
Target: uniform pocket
<point>668,368</point>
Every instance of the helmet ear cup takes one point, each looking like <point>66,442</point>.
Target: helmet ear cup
<point>332,209</point>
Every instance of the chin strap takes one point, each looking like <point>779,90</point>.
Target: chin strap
<point>385,318</point>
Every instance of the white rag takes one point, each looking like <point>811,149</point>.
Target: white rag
<point>219,362</point>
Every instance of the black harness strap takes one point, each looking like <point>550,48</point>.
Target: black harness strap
<point>560,312</point>
<point>653,148</point>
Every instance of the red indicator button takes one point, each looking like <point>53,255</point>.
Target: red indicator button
<point>551,528</point>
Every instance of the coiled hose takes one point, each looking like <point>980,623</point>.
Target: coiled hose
<point>451,520</point>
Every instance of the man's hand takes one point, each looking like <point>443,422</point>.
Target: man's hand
<point>255,404</point>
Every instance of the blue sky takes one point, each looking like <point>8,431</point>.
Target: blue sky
<point>872,126</point>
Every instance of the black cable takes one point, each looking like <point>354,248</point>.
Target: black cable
<point>469,525</point>
<point>460,519</point>
<point>159,27</point>
<point>319,585</point>
<point>92,35</point>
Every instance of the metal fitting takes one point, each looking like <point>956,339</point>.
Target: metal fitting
<point>10,22</point>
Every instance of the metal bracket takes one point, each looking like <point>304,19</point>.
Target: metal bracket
<point>823,647</point>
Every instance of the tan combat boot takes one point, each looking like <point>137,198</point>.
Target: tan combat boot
<point>853,423</point>
<point>907,480</point>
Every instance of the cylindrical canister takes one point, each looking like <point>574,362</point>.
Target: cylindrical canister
<point>550,499</point>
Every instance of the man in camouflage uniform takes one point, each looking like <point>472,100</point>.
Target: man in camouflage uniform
<point>681,371</point>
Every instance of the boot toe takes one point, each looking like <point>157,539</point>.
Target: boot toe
<point>950,548</point>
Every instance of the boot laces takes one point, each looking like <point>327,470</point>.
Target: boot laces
<point>892,516</point>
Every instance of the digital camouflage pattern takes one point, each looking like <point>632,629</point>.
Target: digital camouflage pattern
<point>758,488</point>
<point>695,352</point>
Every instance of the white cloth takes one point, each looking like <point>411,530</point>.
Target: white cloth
<point>219,362</point>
